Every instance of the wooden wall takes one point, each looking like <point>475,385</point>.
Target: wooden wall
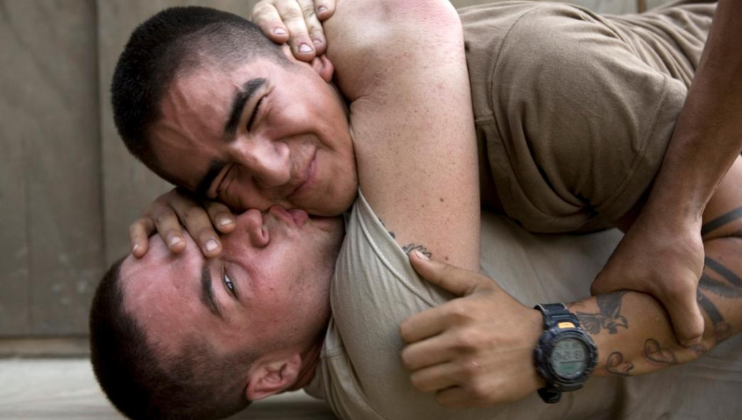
<point>68,188</point>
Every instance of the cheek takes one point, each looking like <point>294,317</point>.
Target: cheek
<point>241,194</point>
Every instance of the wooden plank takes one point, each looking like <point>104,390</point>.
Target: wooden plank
<point>14,278</point>
<point>66,389</point>
<point>54,87</point>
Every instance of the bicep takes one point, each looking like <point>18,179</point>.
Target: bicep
<point>414,140</point>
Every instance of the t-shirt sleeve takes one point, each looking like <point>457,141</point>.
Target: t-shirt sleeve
<point>583,120</point>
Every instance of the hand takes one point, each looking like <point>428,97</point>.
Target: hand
<point>295,21</point>
<point>167,213</point>
<point>663,259</point>
<point>476,350</point>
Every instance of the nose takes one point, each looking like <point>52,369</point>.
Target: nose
<point>267,161</point>
<point>251,222</point>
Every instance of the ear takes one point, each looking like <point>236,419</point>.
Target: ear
<point>273,376</point>
<point>323,66</point>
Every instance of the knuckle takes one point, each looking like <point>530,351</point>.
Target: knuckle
<point>462,342</point>
<point>470,368</point>
<point>418,382</point>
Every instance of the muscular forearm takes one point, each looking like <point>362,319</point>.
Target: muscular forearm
<point>708,136</point>
<point>633,331</point>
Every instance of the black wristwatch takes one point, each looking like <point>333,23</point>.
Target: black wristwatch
<point>565,354</point>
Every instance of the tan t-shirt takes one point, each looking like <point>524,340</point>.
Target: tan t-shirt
<point>574,111</point>
<point>375,288</point>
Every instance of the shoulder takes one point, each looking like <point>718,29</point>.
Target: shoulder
<point>375,39</point>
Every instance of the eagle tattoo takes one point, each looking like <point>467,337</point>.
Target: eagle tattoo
<point>609,317</point>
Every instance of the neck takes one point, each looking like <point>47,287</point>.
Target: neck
<point>310,361</point>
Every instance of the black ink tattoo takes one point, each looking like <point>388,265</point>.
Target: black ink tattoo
<point>722,329</point>
<point>719,288</point>
<point>658,355</point>
<point>387,229</point>
<point>411,247</point>
<point>722,220</point>
<point>617,366</point>
<point>723,271</point>
<point>414,247</point>
<point>609,316</point>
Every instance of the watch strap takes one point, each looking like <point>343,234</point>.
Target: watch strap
<point>554,313</point>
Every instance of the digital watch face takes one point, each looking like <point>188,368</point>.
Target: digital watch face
<point>569,358</point>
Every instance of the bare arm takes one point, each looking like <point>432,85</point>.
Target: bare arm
<point>475,350</point>
<point>706,140</point>
<point>402,65</point>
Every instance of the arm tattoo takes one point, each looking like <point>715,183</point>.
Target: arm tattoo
<point>415,247</point>
<point>658,355</point>
<point>411,247</point>
<point>723,271</point>
<point>387,229</point>
<point>719,288</point>
<point>722,220</point>
<point>609,316</point>
<point>617,366</point>
<point>722,329</point>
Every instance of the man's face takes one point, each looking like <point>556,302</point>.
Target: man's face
<point>264,133</point>
<point>269,287</point>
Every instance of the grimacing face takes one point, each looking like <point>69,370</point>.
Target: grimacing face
<point>269,288</point>
<point>264,133</point>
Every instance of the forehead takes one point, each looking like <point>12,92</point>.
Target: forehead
<point>161,286</point>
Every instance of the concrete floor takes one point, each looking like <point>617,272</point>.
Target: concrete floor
<point>63,389</point>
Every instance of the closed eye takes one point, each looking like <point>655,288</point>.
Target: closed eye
<point>254,114</point>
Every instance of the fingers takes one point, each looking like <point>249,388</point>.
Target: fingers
<point>221,216</point>
<point>427,353</point>
<point>458,281</point>
<point>168,226</point>
<point>686,317</point>
<point>436,377</point>
<point>139,233</point>
<point>423,325</point>
<point>197,222</point>
<point>292,14</point>
<point>325,9</point>
<point>269,21</point>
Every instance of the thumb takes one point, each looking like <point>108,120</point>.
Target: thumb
<point>687,320</point>
<point>456,280</point>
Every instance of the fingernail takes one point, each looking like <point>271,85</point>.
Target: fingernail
<point>211,245</point>
<point>279,31</point>
<point>136,246</point>
<point>321,9</point>
<point>305,48</point>
<point>175,240</point>
<point>317,42</point>
<point>225,221</point>
<point>421,255</point>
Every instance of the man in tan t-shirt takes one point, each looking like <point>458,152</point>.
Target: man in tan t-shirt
<point>382,164</point>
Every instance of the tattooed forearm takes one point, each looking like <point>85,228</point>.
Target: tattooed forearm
<point>658,355</point>
<point>617,366</point>
<point>609,316</point>
<point>723,271</point>
<point>415,247</point>
<point>719,288</point>
<point>722,329</point>
<point>720,221</point>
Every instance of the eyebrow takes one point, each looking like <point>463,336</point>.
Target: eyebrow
<point>241,97</point>
<point>207,291</point>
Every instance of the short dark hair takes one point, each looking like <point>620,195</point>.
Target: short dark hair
<point>143,383</point>
<point>168,44</point>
